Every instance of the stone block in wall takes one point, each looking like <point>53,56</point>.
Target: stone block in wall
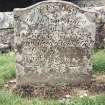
<point>89,3</point>
<point>99,19</point>
<point>7,37</point>
<point>6,20</point>
<point>6,29</point>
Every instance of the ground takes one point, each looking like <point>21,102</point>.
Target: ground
<point>92,95</point>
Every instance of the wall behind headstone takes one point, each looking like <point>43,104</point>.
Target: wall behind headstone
<point>99,19</point>
<point>6,30</point>
<point>89,3</point>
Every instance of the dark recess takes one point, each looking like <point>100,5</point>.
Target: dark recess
<point>9,5</point>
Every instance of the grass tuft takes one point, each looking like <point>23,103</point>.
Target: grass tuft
<point>8,71</point>
<point>98,60</point>
<point>7,67</point>
<point>9,99</point>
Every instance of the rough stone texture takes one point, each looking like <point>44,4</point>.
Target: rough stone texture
<point>6,20</point>
<point>99,19</point>
<point>89,3</point>
<point>6,30</point>
<point>53,44</point>
<point>7,38</point>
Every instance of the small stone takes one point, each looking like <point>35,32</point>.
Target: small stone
<point>68,96</point>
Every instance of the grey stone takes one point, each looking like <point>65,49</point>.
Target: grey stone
<point>6,20</point>
<point>7,37</point>
<point>89,3</point>
<point>99,19</point>
<point>53,41</point>
<point>4,48</point>
<point>7,29</point>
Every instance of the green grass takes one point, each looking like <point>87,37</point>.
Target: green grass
<point>98,60</point>
<point>9,99</point>
<point>8,71</point>
<point>7,67</point>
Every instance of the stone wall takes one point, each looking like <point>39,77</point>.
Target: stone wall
<point>99,20</point>
<point>89,3</point>
<point>6,30</point>
<point>97,6</point>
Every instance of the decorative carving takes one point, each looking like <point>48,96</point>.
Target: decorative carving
<point>53,38</point>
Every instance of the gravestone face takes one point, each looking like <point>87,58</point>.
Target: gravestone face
<point>53,44</point>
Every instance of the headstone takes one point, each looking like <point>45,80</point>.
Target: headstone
<point>53,44</point>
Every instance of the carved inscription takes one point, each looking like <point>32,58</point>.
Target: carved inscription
<point>53,38</point>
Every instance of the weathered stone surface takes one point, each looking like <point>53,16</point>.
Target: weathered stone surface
<point>6,20</point>
<point>89,3</point>
<point>7,37</point>
<point>4,48</point>
<point>99,20</point>
<point>53,44</point>
<point>6,30</point>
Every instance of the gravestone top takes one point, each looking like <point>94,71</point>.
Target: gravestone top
<point>53,44</point>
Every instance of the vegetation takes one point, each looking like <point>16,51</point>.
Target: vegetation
<point>98,60</point>
<point>8,71</point>
<point>9,99</point>
<point>7,67</point>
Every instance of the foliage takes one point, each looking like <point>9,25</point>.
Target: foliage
<point>9,99</point>
<point>7,67</point>
<point>98,60</point>
<point>8,70</point>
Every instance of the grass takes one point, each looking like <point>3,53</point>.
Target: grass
<point>98,60</point>
<point>8,71</point>
<point>7,67</point>
<point>9,99</point>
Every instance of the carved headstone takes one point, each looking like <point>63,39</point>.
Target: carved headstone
<point>53,44</point>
